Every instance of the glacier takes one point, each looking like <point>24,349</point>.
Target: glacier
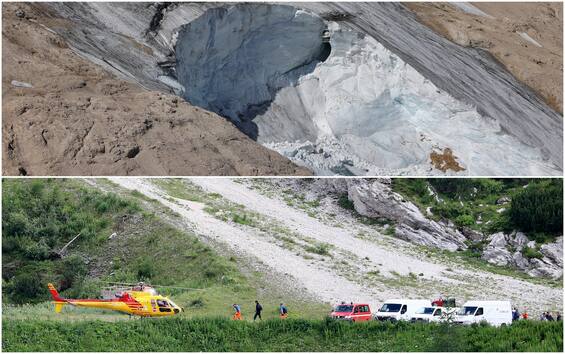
<point>391,93</point>
<point>360,111</point>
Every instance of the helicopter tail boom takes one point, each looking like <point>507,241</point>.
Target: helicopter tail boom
<point>58,300</point>
<point>55,293</point>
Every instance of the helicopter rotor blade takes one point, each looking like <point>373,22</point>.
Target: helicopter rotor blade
<point>151,285</point>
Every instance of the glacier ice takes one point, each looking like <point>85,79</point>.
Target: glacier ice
<point>361,111</point>
<point>232,60</point>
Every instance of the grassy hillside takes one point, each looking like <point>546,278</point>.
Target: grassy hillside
<point>41,215</point>
<point>533,206</point>
<point>275,335</point>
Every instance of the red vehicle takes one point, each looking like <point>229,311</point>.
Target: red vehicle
<point>352,312</point>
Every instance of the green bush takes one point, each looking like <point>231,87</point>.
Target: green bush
<point>25,287</point>
<point>145,269</point>
<point>39,217</point>
<point>320,248</point>
<point>530,253</point>
<point>464,220</point>
<point>345,203</point>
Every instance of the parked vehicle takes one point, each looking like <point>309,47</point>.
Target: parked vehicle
<point>429,314</point>
<point>495,313</point>
<point>400,309</point>
<point>352,312</point>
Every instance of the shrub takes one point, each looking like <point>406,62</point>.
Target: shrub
<point>25,287</point>
<point>530,253</point>
<point>345,203</point>
<point>464,220</point>
<point>145,269</point>
<point>320,248</point>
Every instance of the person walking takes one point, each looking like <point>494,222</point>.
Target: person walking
<point>548,316</point>
<point>237,315</point>
<point>515,314</point>
<point>558,317</point>
<point>258,309</point>
<point>283,311</point>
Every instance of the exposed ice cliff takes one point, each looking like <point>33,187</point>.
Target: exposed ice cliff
<point>233,60</point>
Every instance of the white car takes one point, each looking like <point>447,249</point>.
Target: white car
<point>496,313</point>
<point>400,309</point>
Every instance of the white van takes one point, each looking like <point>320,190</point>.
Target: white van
<point>400,309</point>
<point>495,313</point>
<point>428,314</point>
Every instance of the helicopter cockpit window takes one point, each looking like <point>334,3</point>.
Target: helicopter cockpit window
<point>163,306</point>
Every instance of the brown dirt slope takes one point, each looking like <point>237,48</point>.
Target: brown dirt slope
<point>77,119</point>
<point>541,68</point>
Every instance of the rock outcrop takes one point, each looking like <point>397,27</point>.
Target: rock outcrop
<point>508,250</point>
<point>376,199</point>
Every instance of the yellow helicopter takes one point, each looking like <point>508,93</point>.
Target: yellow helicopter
<point>140,300</point>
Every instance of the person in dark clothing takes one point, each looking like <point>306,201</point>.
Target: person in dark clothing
<point>515,314</point>
<point>258,309</point>
<point>558,317</point>
<point>283,311</point>
<point>548,316</point>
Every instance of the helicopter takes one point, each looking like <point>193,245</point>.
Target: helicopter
<point>141,300</point>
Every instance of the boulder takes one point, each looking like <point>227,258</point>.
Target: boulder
<point>503,200</point>
<point>496,252</point>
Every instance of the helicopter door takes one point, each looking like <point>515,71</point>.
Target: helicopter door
<point>153,305</point>
<point>163,306</point>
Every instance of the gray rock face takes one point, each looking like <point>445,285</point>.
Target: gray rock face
<point>376,199</point>
<point>507,250</point>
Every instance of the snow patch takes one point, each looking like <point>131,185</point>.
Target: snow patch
<point>527,37</point>
<point>470,9</point>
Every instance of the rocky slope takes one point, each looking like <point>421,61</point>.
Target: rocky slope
<point>376,199</point>
<point>75,118</point>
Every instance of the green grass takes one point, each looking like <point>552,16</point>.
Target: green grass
<point>220,334</point>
